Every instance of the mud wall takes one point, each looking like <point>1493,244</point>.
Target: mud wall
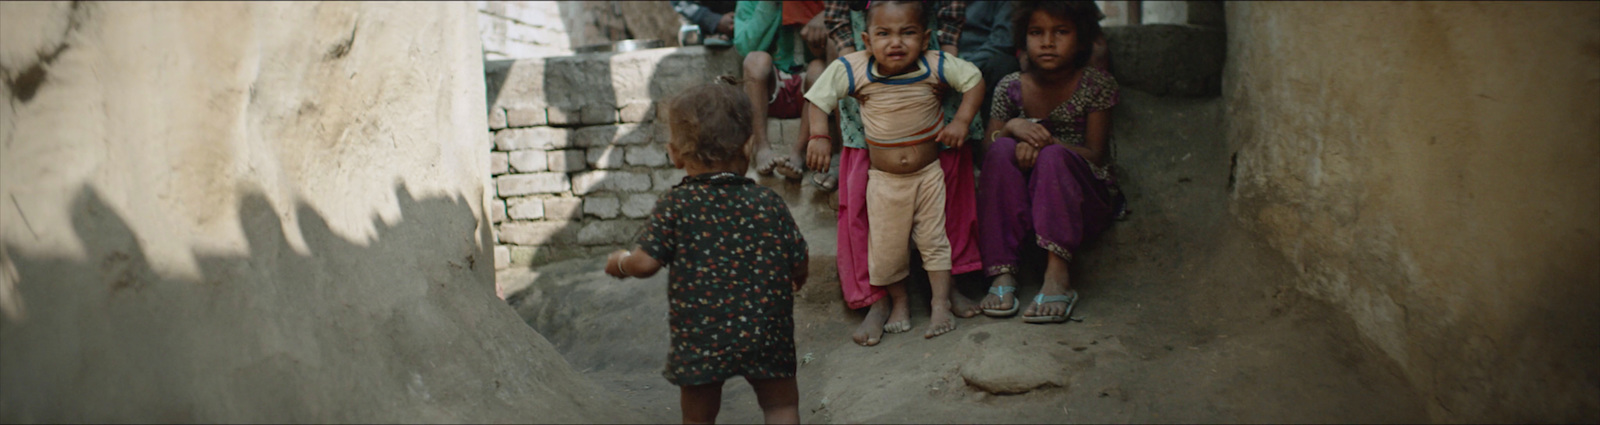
<point>1434,170</point>
<point>256,212</point>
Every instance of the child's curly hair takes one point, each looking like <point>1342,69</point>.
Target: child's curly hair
<point>710,122</point>
<point>1083,14</point>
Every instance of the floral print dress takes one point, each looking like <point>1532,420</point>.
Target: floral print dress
<point>731,246</point>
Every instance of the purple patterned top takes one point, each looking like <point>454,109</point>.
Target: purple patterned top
<point>1069,121</point>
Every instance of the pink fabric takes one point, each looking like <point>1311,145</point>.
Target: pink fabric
<point>960,222</point>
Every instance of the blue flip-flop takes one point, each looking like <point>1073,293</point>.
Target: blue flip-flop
<point>1001,291</point>
<point>1071,298</point>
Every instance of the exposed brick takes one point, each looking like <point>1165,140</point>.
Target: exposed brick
<point>497,211</point>
<point>609,232</point>
<point>497,118</point>
<point>601,206</point>
<point>596,114</point>
<point>502,257</point>
<point>563,208</point>
<point>616,181</point>
<point>535,138</point>
<point>498,163</point>
<point>528,161</point>
<point>599,135</point>
<point>665,179</point>
<point>638,205</point>
<point>620,134</point>
<point>538,232</point>
<point>524,184</point>
<point>525,117</point>
<point>566,161</point>
<point>605,157</point>
<point>564,116</point>
<point>636,134</point>
<point>525,208</point>
<point>637,111</point>
<point>522,256</point>
<point>647,155</point>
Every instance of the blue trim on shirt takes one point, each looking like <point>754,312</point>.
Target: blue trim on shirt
<point>872,63</point>
<point>849,72</point>
<point>941,68</point>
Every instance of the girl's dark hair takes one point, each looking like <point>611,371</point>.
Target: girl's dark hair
<point>710,122</point>
<point>1083,14</point>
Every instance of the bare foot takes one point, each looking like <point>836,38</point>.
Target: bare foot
<point>899,319</point>
<point>994,302</point>
<point>791,167</point>
<point>962,306</point>
<point>942,321</point>
<point>765,160</point>
<point>871,329</point>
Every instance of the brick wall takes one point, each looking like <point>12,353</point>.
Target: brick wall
<point>579,150</point>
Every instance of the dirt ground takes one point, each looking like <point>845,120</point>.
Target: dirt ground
<point>1185,318</point>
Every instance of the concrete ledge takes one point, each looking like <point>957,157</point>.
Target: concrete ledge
<point>1168,60</point>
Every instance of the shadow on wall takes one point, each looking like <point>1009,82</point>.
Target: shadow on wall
<point>401,329</point>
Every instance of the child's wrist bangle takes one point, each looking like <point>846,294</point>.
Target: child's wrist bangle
<point>819,136</point>
<point>995,135</point>
<point>625,255</point>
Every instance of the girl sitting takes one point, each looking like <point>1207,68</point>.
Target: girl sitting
<point>1046,171</point>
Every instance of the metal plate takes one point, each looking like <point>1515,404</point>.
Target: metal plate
<point>620,46</point>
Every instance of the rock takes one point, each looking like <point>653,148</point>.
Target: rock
<point>1002,364</point>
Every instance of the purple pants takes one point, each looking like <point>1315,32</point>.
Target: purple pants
<point>1060,201</point>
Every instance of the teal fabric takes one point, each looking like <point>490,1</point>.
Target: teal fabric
<point>758,27</point>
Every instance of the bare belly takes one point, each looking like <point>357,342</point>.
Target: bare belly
<point>904,160</point>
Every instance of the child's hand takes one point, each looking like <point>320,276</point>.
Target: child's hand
<point>818,152</point>
<point>1026,155</point>
<point>1029,132</point>
<point>614,264</point>
<point>953,134</point>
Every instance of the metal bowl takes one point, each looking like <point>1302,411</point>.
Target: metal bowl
<point>620,46</point>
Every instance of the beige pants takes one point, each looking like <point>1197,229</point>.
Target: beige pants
<point>902,206</point>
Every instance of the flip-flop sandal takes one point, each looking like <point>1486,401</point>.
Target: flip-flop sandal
<point>1071,298</point>
<point>829,181</point>
<point>1001,291</point>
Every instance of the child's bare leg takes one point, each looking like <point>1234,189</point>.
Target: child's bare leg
<point>758,81</point>
<point>900,313</point>
<point>1056,282</point>
<point>700,403</point>
<point>942,319</point>
<point>871,329</point>
<point>779,399</point>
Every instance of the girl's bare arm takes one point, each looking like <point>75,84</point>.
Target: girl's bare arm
<point>636,264</point>
<point>1095,136</point>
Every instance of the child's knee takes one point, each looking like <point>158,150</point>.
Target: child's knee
<point>1054,152</point>
<point>757,65</point>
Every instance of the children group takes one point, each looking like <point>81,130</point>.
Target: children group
<point>906,109</point>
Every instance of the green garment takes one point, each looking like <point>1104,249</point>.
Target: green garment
<point>758,26</point>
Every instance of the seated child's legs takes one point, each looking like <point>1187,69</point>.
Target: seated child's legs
<point>700,403</point>
<point>758,84</point>
<point>779,399</point>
